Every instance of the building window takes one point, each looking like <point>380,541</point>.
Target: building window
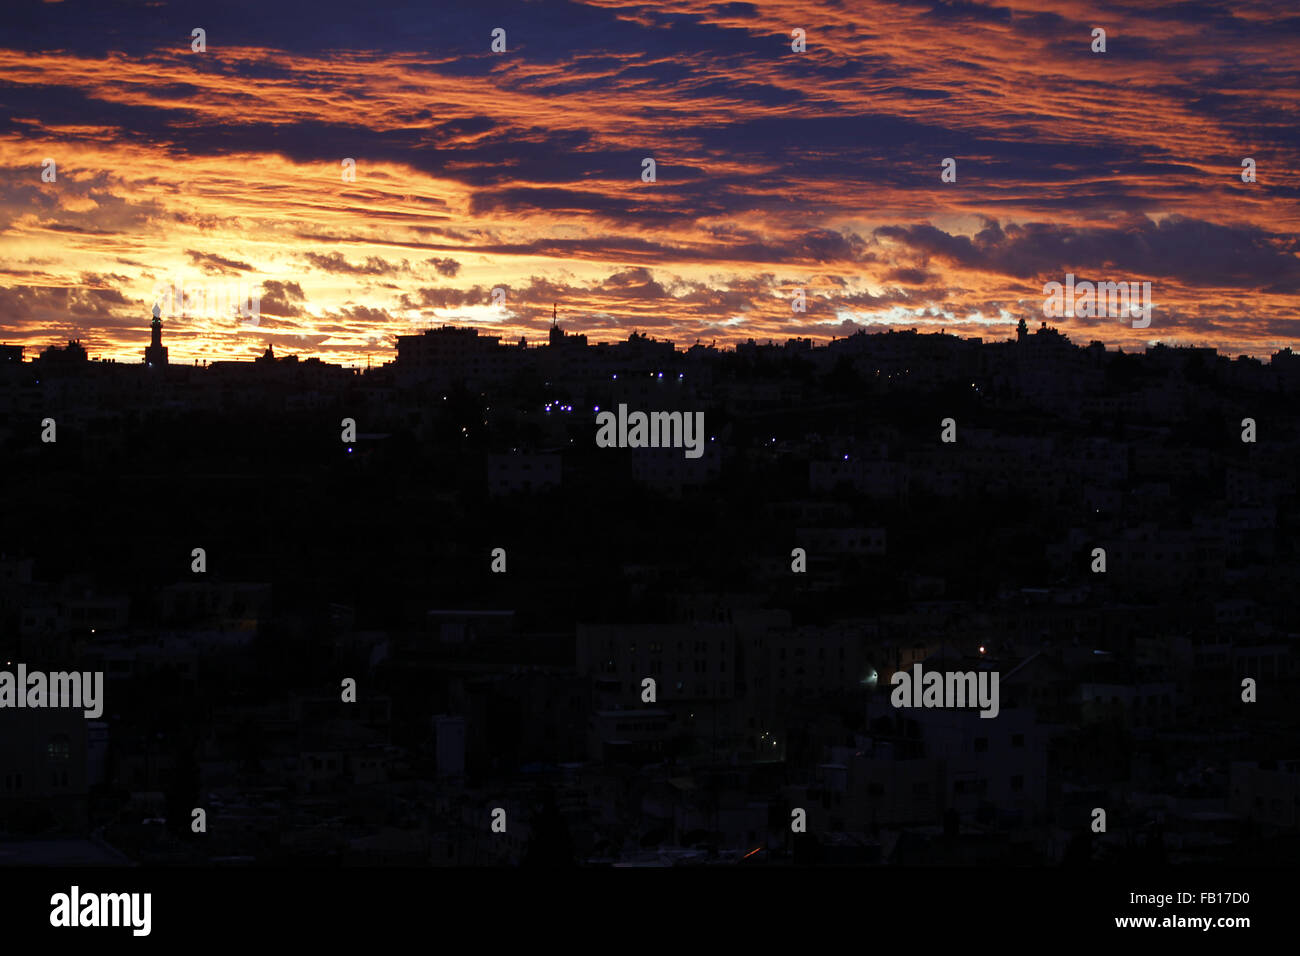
<point>59,748</point>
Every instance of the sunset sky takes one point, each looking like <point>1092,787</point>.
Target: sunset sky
<point>522,170</point>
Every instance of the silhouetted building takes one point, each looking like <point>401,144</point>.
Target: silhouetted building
<point>73,354</point>
<point>155,356</point>
<point>557,334</point>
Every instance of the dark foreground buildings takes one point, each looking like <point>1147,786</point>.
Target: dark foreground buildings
<point>1111,534</point>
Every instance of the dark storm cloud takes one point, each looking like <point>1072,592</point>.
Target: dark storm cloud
<point>373,266</point>
<point>1192,251</point>
<point>212,264</point>
<point>283,299</point>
